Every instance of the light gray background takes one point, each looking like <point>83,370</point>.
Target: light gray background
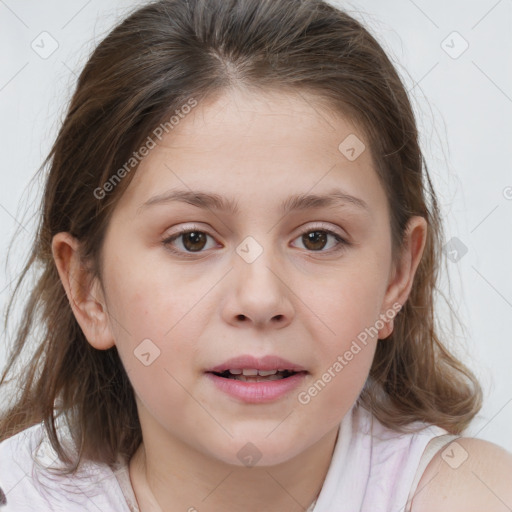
<point>463,100</point>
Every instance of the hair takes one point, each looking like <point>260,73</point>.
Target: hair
<point>146,68</point>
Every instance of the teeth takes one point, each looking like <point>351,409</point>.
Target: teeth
<point>258,378</point>
<point>251,372</point>
<point>265,373</point>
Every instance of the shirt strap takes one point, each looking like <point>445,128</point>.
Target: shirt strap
<point>123,478</point>
<point>435,445</point>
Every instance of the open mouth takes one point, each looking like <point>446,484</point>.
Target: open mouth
<point>257,385</point>
<point>256,375</point>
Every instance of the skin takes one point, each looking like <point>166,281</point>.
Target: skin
<point>480,482</point>
<point>303,302</point>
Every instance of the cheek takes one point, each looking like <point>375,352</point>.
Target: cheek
<point>148,296</point>
<point>164,320</point>
<point>345,343</point>
<point>349,303</point>
<point>344,364</point>
<point>164,313</point>
<point>156,331</point>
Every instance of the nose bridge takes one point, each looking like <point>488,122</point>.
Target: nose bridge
<point>259,292</point>
<point>256,264</point>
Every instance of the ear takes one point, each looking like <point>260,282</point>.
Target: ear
<point>404,270</point>
<point>84,291</point>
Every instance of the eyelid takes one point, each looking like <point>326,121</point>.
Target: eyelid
<point>320,226</point>
<point>183,230</point>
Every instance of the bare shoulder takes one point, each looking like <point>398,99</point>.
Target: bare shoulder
<point>467,475</point>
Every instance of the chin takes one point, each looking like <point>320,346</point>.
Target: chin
<point>242,452</point>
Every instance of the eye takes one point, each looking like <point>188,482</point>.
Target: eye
<point>192,240</point>
<point>316,239</point>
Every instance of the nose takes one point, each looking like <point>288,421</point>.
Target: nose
<point>260,294</point>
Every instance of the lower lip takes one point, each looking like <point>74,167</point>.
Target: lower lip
<point>257,392</point>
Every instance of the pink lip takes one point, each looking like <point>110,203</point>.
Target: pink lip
<point>259,363</point>
<point>257,392</point>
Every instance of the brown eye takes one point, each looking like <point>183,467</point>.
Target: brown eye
<point>316,240</point>
<point>194,241</point>
<point>191,241</point>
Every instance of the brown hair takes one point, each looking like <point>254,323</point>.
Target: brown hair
<point>150,65</point>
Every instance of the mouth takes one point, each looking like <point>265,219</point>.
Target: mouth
<point>257,380</point>
<point>254,375</point>
<point>249,368</point>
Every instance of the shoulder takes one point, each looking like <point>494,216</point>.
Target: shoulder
<point>467,475</point>
<point>29,482</point>
<point>16,468</point>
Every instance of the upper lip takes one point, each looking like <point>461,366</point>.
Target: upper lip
<point>269,362</point>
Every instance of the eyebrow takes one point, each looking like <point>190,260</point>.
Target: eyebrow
<point>217,202</point>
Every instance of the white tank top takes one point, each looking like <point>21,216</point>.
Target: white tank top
<point>373,469</point>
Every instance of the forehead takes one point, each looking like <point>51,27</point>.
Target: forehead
<point>249,146</point>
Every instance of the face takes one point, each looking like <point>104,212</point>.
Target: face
<point>306,284</point>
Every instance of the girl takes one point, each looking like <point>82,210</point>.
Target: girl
<point>239,246</point>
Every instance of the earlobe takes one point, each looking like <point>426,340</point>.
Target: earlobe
<point>83,291</point>
<point>386,331</point>
<point>402,277</point>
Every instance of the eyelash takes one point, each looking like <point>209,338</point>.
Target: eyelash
<point>341,242</point>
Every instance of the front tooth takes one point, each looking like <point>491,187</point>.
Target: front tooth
<point>265,373</point>
<point>250,371</point>
<point>235,372</point>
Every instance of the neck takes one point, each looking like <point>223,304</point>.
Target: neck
<point>180,478</point>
